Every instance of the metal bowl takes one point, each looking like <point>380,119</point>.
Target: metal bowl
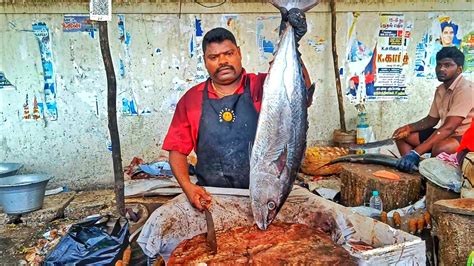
<point>8,169</point>
<point>22,193</point>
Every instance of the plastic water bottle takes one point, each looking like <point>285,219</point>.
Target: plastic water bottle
<point>376,201</point>
<point>362,130</point>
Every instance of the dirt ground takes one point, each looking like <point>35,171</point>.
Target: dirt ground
<point>19,236</point>
<point>16,239</point>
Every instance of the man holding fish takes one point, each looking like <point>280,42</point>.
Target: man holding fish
<point>218,118</point>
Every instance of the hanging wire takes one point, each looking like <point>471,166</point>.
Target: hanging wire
<point>212,6</point>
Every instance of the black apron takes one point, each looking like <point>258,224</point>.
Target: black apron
<point>226,132</point>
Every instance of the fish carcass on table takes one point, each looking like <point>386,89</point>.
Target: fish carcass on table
<point>280,139</point>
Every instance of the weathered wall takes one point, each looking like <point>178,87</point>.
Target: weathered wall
<point>158,68</point>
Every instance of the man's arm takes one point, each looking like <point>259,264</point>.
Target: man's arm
<point>425,123</point>
<point>307,82</point>
<point>179,166</point>
<point>307,79</point>
<point>195,194</point>
<point>446,130</point>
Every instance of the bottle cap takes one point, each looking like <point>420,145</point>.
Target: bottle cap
<point>375,193</point>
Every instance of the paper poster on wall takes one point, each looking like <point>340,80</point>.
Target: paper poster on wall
<point>318,44</point>
<point>5,84</point>
<point>35,113</point>
<point>201,72</point>
<point>41,32</point>
<point>358,56</point>
<point>231,22</point>
<point>129,106</point>
<point>356,50</point>
<point>467,47</point>
<point>443,33</point>
<point>79,23</point>
<point>169,103</point>
<point>385,74</point>
<point>125,39</point>
<point>267,35</point>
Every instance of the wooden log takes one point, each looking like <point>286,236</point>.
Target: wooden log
<point>455,230</point>
<point>340,98</point>
<point>358,182</point>
<point>112,116</point>
<point>435,193</point>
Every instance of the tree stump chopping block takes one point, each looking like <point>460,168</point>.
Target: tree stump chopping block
<point>455,230</point>
<point>358,182</point>
<point>435,193</point>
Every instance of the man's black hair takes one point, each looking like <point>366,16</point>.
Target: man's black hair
<point>453,53</point>
<point>217,35</point>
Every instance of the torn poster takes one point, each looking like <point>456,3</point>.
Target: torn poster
<point>267,35</point>
<point>443,33</point>
<point>467,47</point>
<point>26,109</point>
<point>231,22</point>
<point>385,76</point>
<point>41,32</point>
<point>125,40</point>
<point>318,44</point>
<point>358,56</point>
<point>5,83</point>
<point>36,114</point>
<point>197,23</point>
<point>169,104</point>
<point>78,23</point>
<point>129,107</point>
<point>196,40</point>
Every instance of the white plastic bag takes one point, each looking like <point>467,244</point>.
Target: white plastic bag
<point>441,173</point>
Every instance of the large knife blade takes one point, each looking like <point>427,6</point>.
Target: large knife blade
<point>211,231</point>
<point>371,145</point>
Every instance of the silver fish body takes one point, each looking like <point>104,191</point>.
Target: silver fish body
<point>280,139</point>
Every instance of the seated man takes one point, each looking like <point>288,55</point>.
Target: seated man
<point>452,106</point>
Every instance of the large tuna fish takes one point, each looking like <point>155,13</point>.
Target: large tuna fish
<point>280,140</point>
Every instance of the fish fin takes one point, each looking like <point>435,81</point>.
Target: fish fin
<point>309,95</point>
<point>280,162</point>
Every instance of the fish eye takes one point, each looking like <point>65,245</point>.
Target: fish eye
<point>271,205</point>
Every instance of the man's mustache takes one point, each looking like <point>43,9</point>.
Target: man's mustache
<point>225,67</point>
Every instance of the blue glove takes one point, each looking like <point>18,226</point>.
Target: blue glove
<point>409,162</point>
<point>297,19</point>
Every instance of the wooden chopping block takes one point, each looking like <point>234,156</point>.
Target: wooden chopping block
<point>467,190</point>
<point>435,193</point>
<point>455,230</point>
<point>358,182</point>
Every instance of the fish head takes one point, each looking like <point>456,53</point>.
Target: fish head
<point>267,199</point>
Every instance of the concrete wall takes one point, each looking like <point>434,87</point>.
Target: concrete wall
<point>159,68</point>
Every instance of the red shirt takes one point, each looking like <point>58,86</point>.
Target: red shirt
<point>183,131</point>
<point>467,141</point>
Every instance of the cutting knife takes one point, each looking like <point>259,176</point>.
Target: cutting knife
<point>211,231</point>
<point>371,145</point>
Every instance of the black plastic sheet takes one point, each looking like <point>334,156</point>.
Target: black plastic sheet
<point>98,240</point>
